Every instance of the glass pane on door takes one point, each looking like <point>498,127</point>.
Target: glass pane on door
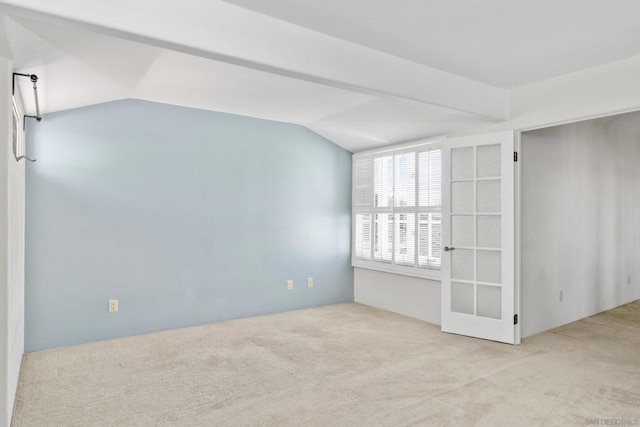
<point>462,298</point>
<point>490,301</point>
<point>476,237</point>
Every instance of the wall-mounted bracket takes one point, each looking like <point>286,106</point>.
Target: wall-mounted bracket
<point>30,117</point>
<point>34,80</point>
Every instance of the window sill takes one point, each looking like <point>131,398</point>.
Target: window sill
<point>434,275</point>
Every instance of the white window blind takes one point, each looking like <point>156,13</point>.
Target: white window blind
<point>396,210</point>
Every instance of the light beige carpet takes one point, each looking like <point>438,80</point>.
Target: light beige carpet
<point>339,365</point>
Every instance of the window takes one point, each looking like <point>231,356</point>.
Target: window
<point>397,210</point>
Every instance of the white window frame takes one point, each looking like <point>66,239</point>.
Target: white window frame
<point>417,147</point>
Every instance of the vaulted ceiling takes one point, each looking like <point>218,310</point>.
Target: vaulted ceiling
<point>361,73</point>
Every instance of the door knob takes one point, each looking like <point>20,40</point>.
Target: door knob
<point>447,249</point>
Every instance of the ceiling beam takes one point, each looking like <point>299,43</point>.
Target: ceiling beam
<point>225,32</point>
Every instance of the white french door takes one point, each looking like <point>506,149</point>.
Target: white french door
<point>478,237</point>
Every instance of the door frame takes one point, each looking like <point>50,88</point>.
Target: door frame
<point>518,191</point>
<point>517,231</point>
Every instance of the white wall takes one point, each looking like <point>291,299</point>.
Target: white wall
<point>410,296</point>
<point>11,254</point>
<point>602,90</point>
<point>580,228</point>
<point>16,322</point>
<point>4,238</point>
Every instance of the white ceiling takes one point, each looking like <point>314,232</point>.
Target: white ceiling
<point>181,79</point>
<point>504,43</point>
<point>75,67</point>
<point>78,67</point>
<point>360,103</point>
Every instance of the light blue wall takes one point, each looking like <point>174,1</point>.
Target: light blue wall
<point>185,216</point>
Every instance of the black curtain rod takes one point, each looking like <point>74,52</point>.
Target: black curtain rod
<point>34,80</point>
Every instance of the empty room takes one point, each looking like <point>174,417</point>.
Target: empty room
<point>338,213</point>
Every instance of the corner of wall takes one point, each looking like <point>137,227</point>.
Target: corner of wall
<point>5,111</point>
<point>12,198</point>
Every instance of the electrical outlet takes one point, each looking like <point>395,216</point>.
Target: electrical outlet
<point>310,282</point>
<point>289,285</point>
<point>113,305</point>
